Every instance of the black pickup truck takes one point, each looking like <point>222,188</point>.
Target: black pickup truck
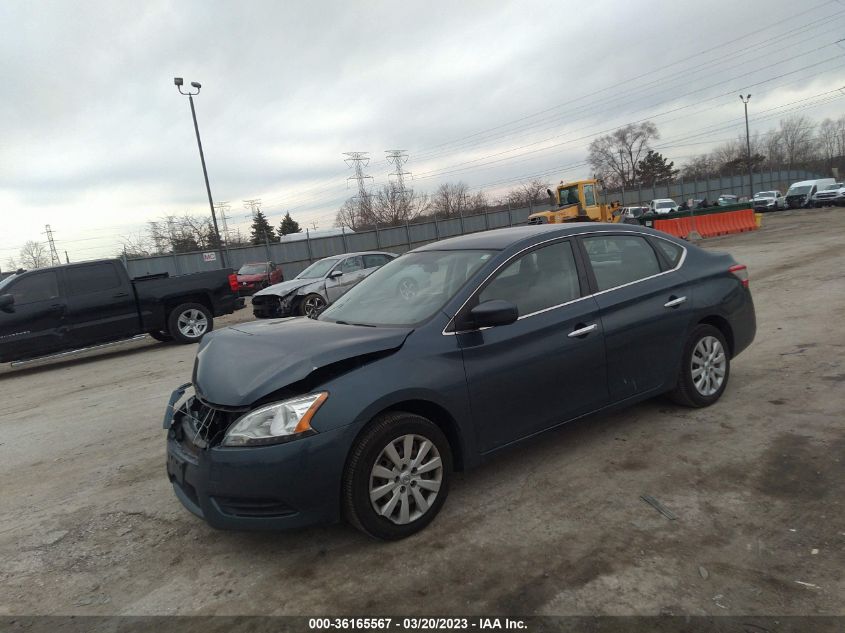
<point>64,308</point>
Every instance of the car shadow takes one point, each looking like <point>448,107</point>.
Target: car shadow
<point>48,364</point>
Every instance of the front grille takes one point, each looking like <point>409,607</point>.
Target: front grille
<point>263,508</point>
<point>202,426</point>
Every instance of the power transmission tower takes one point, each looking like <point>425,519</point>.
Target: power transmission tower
<point>397,158</point>
<point>357,161</point>
<point>222,208</point>
<point>54,255</point>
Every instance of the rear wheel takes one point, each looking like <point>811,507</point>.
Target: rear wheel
<point>705,368</point>
<point>189,322</point>
<point>397,476</point>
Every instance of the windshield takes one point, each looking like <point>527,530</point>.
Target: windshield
<point>5,282</point>
<point>408,290</point>
<point>833,186</point>
<point>798,191</point>
<point>666,205</point>
<point>765,194</point>
<point>317,270</point>
<point>253,269</point>
<point>568,195</point>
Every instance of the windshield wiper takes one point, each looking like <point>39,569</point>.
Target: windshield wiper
<point>357,324</point>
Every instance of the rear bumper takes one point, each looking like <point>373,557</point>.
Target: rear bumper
<point>284,486</point>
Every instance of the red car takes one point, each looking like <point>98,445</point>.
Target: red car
<point>257,275</point>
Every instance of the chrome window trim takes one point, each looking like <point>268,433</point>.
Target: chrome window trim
<point>680,263</point>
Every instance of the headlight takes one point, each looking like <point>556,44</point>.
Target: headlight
<point>275,422</point>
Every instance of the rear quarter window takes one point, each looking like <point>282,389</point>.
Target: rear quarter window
<point>670,250</point>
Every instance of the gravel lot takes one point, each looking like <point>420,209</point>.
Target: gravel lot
<point>89,524</point>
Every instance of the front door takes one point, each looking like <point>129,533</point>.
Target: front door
<point>539,371</point>
<point>645,309</point>
<point>352,269</point>
<point>35,323</point>
<point>100,307</point>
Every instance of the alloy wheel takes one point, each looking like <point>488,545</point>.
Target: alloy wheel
<point>314,305</point>
<point>708,365</point>
<point>406,479</point>
<point>192,323</point>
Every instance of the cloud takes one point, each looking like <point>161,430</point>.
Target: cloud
<point>92,127</point>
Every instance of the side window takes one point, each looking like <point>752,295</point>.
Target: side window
<point>371,261</point>
<point>83,280</point>
<point>34,288</point>
<point>670,250</point>
<point>620,259</point>
<point>538,280</point>
<point>351,264</point>
<point>590,195</point>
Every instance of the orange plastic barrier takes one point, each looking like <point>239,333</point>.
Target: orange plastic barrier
<point>710,225</point>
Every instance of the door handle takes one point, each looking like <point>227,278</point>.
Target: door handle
<point>583,331</point>
<point>118,295</point>
<point>673,303</point>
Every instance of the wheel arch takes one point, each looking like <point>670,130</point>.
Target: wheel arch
<point>724,326</point>
<point>434,412</point>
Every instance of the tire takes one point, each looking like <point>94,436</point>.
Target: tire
<point>161,335</point>
<point>408,287</point>
<point>189,322</point>
<point>312,305</point>
<point>405,496</point>
<point>705,342</point>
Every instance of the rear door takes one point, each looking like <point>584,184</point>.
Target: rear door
<point>34,324</point>
<point>100,305</point>
<point>374,261</point>
<point>645,306</point>
<point>537,372</point>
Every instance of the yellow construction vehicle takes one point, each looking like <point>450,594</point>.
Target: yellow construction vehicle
<point>576,202</point>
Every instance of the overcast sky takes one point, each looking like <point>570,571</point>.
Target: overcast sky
<point>95,140</point>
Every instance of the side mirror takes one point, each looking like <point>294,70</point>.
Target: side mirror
<point>492,313</point>
<point>335,274</point>
<point>6,301</point>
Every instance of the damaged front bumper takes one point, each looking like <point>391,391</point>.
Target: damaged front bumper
<point>276,487</point>
<point>272,306</point>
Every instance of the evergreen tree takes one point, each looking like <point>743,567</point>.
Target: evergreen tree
<point>654,169</point>
<point>288,225</point>
<point>261,231</point>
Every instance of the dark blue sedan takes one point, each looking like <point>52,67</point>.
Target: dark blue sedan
<point>364,413</point>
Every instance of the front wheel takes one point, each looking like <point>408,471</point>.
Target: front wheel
<point>705,368</point>
<point>312,305</point>
<point>189,322</point>
<point>397,476</point>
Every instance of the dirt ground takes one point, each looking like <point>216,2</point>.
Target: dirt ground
<point>89,523</point>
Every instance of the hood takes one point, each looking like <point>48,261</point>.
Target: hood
<point>239,365</point>
<point>285,287</point>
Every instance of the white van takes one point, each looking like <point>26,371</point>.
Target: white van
<point>801,194</point>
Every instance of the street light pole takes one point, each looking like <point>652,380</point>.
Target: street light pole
<point>178,82</point>
<point>745,101</point>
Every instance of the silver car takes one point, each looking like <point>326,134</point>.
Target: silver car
<point>318,286</point>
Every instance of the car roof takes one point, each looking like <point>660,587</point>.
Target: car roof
<point>500,239</point>
<point>343,255</point>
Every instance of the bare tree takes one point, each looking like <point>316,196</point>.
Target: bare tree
<point>138,244</point>
<point>827,139</point>
<point>450,199</point>
<point>11,264</point>
<point>392,206</point>
<point>797,140</point>
<point>349,215</point>
<point>34,255</point>
<point>615,156</point>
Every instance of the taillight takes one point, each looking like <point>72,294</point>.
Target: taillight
<point>741,272</point>
<point>233,282</point>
